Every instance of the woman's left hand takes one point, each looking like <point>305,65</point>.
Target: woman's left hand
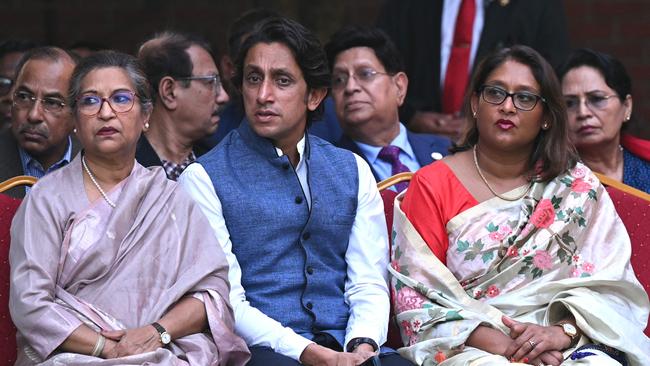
<point>530,340</point>
<point>133,341</point>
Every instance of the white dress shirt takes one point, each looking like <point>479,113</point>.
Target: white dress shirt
<point>366,290</point>
<point>450,10</point>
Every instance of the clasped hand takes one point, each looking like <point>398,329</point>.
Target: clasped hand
<point>535,344</point>
<point>120,343</point>
<point>315,355</point>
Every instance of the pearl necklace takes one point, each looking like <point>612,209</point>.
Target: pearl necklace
<point>92,178</point>
<point>478,169</point>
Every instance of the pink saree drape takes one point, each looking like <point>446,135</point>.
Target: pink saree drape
<point>75,262</point>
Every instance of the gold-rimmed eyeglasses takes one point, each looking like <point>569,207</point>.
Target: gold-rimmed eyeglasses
<point>363,76</point>
<point>593,101</point>
<point>26,100</point>
<point>212,80</point>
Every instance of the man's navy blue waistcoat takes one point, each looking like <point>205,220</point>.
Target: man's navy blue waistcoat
<point>292,259</point>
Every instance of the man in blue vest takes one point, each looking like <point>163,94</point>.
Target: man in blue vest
<point>300,220</point>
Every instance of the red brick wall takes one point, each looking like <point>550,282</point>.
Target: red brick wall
<point>622,29</point>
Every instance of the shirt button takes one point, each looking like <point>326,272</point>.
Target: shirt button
<point>309,305</point>
<point>310,270</point>
<point>306,235</point>
<point>298,199</point>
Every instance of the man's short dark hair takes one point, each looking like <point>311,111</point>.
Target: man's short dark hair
<point>16,45</point>
<point>166,55</point>
<point>374,38</point>
<point>54,54</point>
<point>243,25</point>
<point>306,48</point>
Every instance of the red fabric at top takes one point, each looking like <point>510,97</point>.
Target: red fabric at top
<point>636,146</point>
<point>434,197</point>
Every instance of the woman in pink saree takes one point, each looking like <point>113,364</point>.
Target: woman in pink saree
<point>510,251</point>
<point>111,264</point>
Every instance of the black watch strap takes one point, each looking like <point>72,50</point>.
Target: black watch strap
<point>159,328</point>
<point>355,342</point>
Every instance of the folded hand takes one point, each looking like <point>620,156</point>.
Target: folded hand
<point>535,342</point>
<point>132,341</point>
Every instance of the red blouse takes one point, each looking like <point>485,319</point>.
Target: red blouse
<point>435,196</point>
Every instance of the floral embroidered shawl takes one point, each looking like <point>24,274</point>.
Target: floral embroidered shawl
<point>560,249</point>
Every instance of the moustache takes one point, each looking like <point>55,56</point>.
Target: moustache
<point>36,130</point>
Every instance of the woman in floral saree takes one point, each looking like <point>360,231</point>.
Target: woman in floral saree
<point>509,251</point>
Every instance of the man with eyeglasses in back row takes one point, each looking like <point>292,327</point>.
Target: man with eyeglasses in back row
<point>39,141</point>
<point>11,51</point>
<point>187,100</point>
<point>368,87</point>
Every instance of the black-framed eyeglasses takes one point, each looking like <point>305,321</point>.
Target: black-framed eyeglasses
<point>120,102</point>
<point>213,80</point>
<point>364,75</point>
<point>595,100</point>
<point>525,101</point>
<point>26,100</point>
<point>5,85</point>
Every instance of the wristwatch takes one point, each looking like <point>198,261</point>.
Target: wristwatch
<point>355,342</point>
<point>570,330</point>
<point>165,338</point>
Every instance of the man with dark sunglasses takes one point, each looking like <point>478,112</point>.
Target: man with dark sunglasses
<point>39,141</point>
<point>187,99</point>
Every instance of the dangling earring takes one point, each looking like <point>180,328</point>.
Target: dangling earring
<point>545,126</point>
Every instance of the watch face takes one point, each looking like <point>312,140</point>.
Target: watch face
<point>165,338</point>
<point>570,330</point>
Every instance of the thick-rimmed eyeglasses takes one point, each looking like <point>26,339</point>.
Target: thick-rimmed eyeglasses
<point>120,102</point>
<point>213,80</point>
<point>524,101</point>
<point>592,101</point>
<point>5,85</point>
<point>26,100</point>
<point>362,75</point>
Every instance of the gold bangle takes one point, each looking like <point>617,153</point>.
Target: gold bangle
<point>99,346</point>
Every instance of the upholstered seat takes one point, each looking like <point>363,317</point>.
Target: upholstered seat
<point>8,207</point>
<point>388,196</point>
<point>635,213</point>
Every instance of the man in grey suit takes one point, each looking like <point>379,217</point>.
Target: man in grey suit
<point>39,140</point>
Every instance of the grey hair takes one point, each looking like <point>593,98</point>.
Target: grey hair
<point>105,59</point>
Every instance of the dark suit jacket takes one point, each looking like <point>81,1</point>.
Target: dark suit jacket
<point>423,145</point>
<point>10,164</point>
<point>414,26</point>
<point>145,154</point>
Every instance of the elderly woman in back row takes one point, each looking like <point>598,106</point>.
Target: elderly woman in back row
<point>110,260</point>
<point>597,90</point>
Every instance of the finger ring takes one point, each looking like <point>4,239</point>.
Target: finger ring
<point>532,343</point>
